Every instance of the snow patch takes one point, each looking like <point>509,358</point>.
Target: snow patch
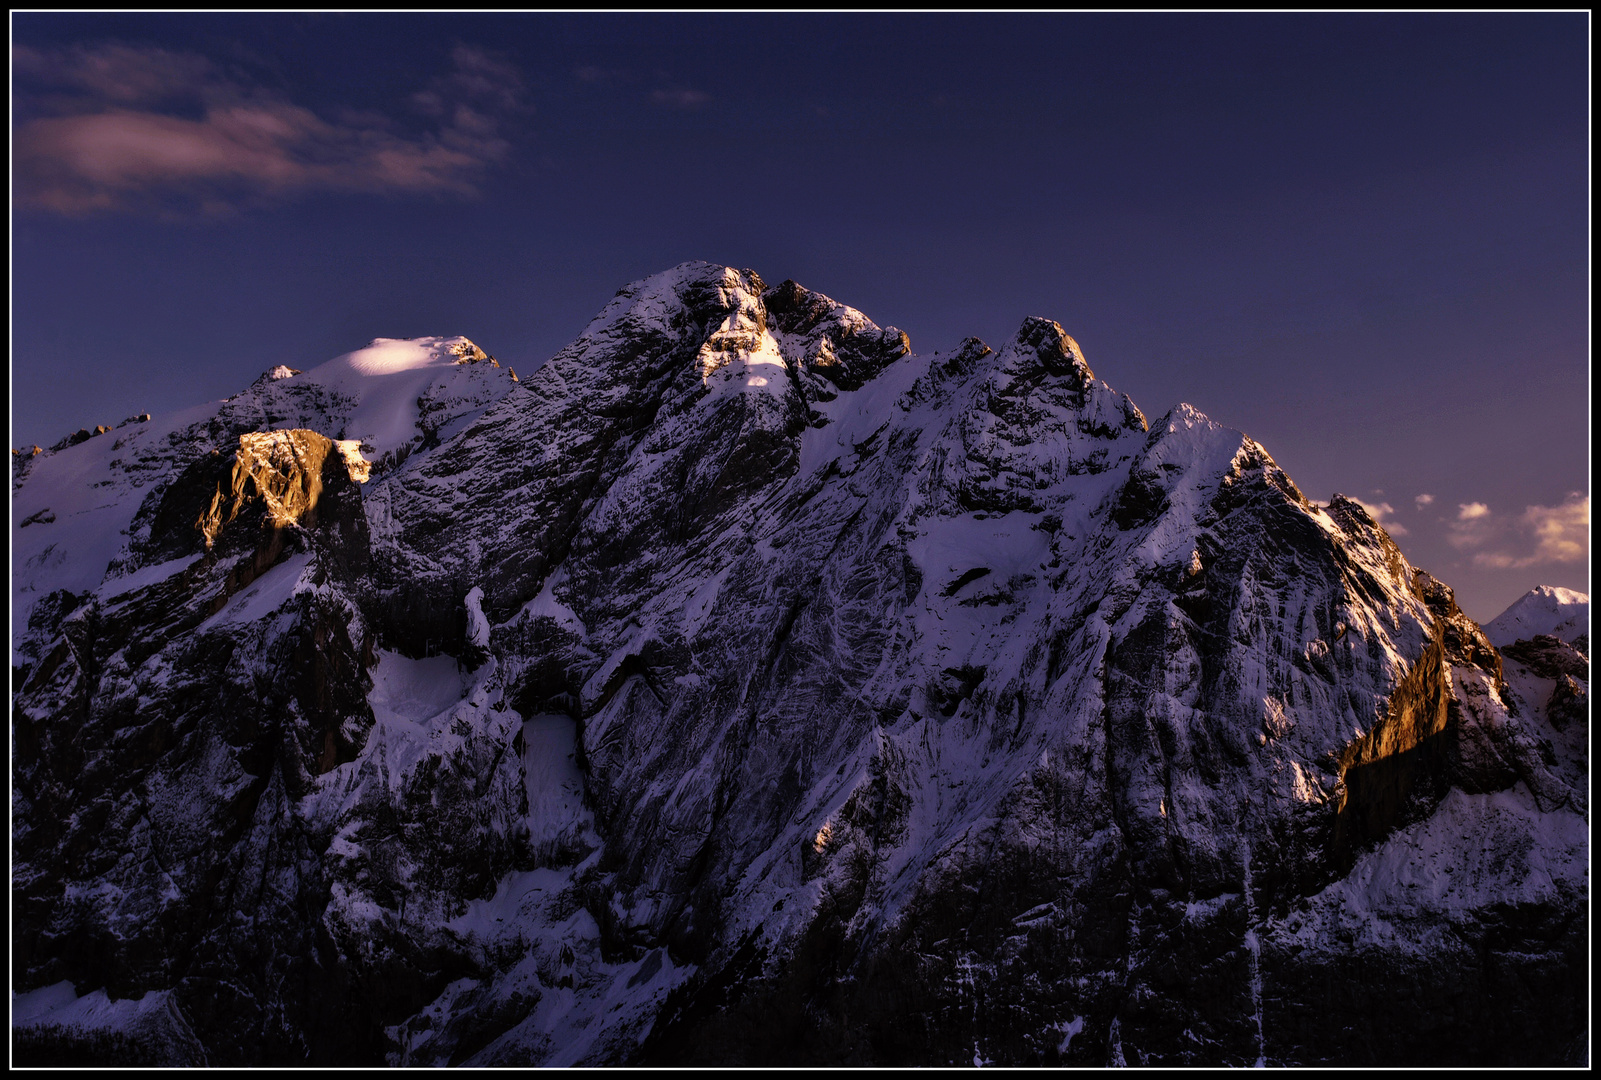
<point>358,467</point>
<point>1067,1029</point>
<point>1473,850</point>
<point>477,624</point>
<point>414,691</point>
<point>547,606</point>
<point>387,380</point>
<point>264,596</point>
<point>139,579</point>
<point>152,1018</point>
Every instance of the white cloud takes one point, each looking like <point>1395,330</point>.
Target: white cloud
<point>1423,500</point>
<point>129,127</point>
<point>1562,533</point>
<point>1540,535</point>
<point>1474,526</point>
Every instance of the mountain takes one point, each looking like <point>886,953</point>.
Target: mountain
<point>741,687</point>
<point>1547,609</point>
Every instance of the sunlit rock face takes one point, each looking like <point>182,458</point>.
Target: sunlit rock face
<point>741,687</point>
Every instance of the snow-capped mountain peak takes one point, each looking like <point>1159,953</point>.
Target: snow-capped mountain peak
<point>743,687</point>
<point>1546,609</point>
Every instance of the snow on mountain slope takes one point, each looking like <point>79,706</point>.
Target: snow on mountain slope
<point>746,688</point>
<point>1547,609</point>
<point>147,1030</point>
<point>101,495</point>
<point>395,390</point>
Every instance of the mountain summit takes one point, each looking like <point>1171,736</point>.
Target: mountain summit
<point>743,687</point>
<point>1548,609</point>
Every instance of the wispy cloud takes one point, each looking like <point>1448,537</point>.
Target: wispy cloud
<point>1540,535</point>
<point>114,73</point>
<point>1423,500</point>
<point>128,128</point>
<point>1561,533</point>
<point>1384,514</point>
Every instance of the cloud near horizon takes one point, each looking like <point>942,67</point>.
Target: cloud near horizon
<point>1540,535</point>
<point>127,128</point>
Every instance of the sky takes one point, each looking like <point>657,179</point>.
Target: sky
<point>1361,239</point>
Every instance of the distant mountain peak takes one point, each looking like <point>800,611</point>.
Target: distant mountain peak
<point>1544,609</point>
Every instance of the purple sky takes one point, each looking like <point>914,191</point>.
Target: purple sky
<point>1363,240</point>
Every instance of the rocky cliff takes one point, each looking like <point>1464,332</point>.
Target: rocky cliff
<point>742,687</point>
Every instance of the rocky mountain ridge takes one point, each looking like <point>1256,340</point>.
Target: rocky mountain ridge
<point>742,687</point>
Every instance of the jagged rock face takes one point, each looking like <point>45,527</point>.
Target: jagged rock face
<point>274,480</point>
<point>829,342</point>
<point>742,688</point>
